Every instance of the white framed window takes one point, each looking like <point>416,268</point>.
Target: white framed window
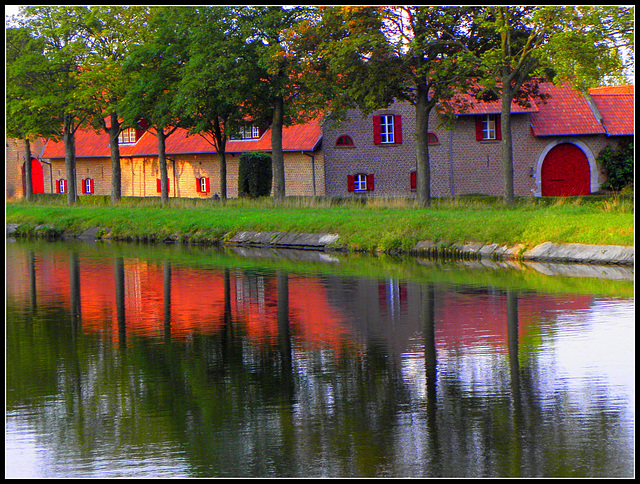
<point>127,136</point>
<point>386,129</point>
<point>248,132</point>
<point>489,127</point>
<point>204,184</point>
<point>87,185</point>
<point>360,182</point>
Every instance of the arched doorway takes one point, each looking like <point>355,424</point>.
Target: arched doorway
<point>37,177</point>
<point>565,172</point>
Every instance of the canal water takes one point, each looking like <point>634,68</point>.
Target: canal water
<point>175,361</point>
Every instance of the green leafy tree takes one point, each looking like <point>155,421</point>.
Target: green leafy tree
<point>277,94</point>
<point>23,52</point>
<point>526,42</point>
<point>156,68</point>
<point>55,77</point>
<point>110,31</point>
<point>215,77</point>
<point>375,55</point>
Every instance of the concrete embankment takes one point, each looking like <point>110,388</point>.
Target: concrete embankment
<point>548,251</point>
<point>545,252</point>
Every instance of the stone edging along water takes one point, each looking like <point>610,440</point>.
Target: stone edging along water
<point>545,252</point>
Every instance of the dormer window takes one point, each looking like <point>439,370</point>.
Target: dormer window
<point>248,132</point>
<point>127,136</point>
<point>344,141</point>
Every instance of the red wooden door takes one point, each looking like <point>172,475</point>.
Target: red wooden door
<point>37,177</point>
<point>565,172</point>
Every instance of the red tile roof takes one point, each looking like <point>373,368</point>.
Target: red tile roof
<point>626,89</point>
<point>565,112</point>
<point>617,111</point>
<point>302,137</point>
<point>472,106</point>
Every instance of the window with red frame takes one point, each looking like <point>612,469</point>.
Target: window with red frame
<point>344,140</point>
<point>203,185</point>
<point>87,186</point>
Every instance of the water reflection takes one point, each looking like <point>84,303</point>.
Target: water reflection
<point>125,363</point>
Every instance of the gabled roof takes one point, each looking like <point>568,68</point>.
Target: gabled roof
<point>301,137</point>
<point>617,108</point>
<point>565,112</point>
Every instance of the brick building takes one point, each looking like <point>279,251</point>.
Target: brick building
<point>14,166</point>
<point>192,162</point>
<point>555,144</point>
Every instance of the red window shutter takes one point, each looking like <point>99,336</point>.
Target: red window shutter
<point>478,128</point>
<point>377,138</point>
<point>159,185</point>
<point>370,182</point>
<point>91,185</point>
<point>207,187</point>
<point>413,180</point>
<point>498,129</point>
<point>351,183</point>
<point>57,186</point>
<point>397,128</point>
<point>198,185</point>
<point>84,186</point>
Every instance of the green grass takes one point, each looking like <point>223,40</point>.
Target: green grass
<point>373,224</point>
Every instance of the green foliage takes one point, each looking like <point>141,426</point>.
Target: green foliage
<point>618,166</point>
<point>255,175</point>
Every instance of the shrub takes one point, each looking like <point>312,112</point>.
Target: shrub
<point>254,175</point>
<point>618,166</point>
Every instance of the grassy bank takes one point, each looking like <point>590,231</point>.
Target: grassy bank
<point>364,225</point>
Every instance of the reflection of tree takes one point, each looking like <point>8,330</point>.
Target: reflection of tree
<point>235,408</point>
<point>120,301</point>
<point>430,365</point>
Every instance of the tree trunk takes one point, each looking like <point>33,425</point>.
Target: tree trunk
<point>164,176</point>
<point>223,173</point>
<point>70,159</point>
<point>507,145</point>
<point>423,169</point>
<point>277,156</point>
<point>116,180</point>
<point>28,178</point>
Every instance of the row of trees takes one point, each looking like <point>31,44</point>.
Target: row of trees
<point>210,70</point>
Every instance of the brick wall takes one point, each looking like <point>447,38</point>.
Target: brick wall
<point>139,174</point>
<point>459,163</point>
<point>14,160</point>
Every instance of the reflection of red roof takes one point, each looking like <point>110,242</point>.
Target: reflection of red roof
<point>301,137</point>
<point>476,320</point>
<point>566,112</point>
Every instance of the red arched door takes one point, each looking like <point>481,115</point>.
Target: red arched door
<point>565,172</point>
<point>37,177</point>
